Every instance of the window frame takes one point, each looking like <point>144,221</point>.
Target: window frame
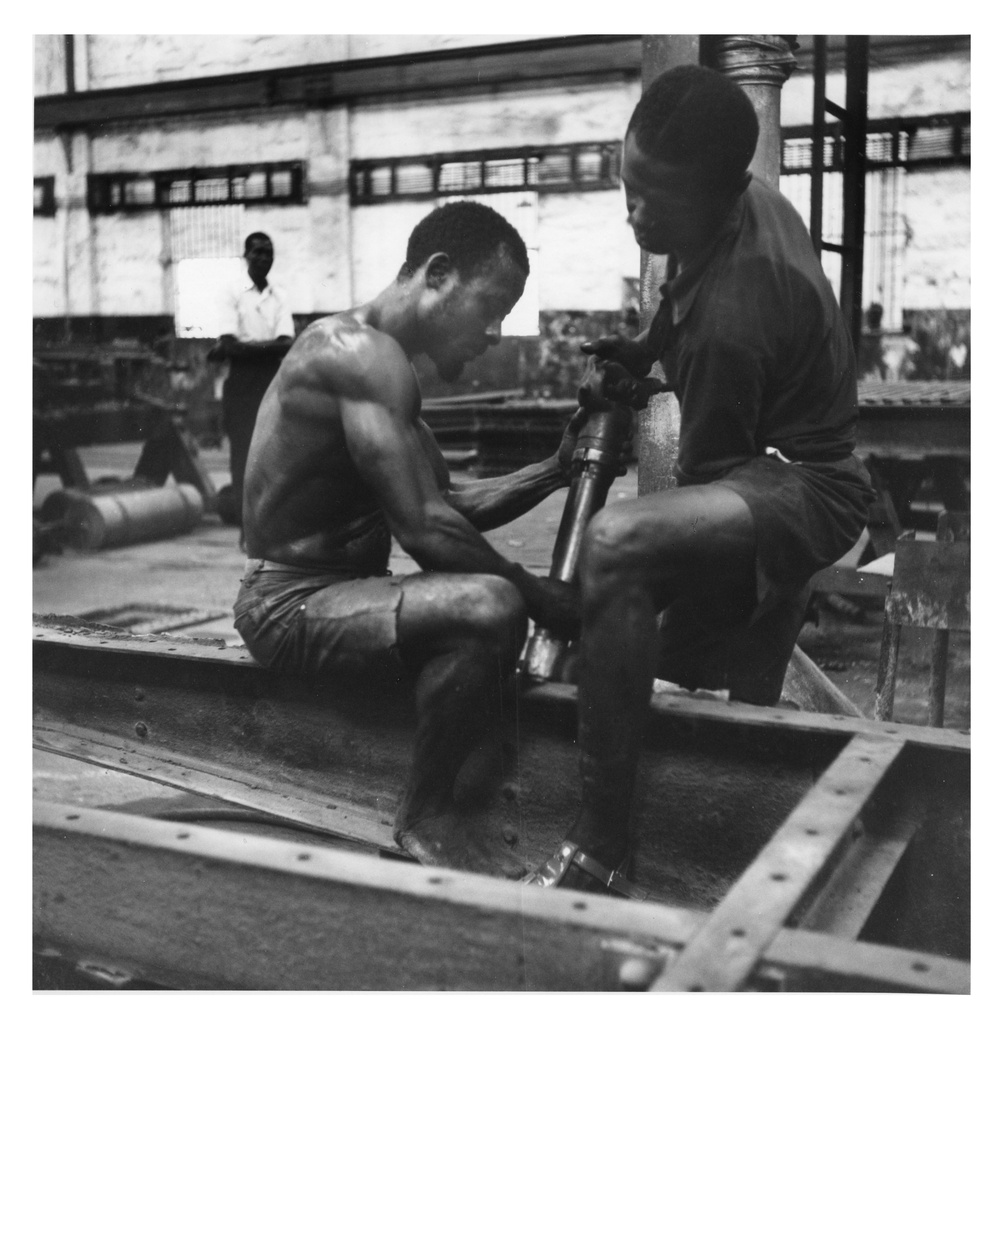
<point>609,153</point>
<point>107,193</point>
<point>900,134</point>
<point>47,207</point>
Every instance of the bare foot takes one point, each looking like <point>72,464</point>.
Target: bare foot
<point>498,860</point>
<point>444,842</point>
<point>493,837</point>
<point>435,843</point>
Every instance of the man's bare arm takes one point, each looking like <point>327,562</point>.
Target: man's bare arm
<point>377,401</point>
<point>495,501</point>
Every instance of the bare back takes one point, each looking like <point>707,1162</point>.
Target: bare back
<point>306,502</point>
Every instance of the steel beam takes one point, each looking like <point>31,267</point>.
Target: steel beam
<point>730,944</point>
<point>206,719</point>
<point>195,908</point>
<point>315,86</point>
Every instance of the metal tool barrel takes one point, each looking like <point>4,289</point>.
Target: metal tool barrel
<point>595,466</point>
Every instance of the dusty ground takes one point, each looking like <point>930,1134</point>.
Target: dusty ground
<point>201,570</point>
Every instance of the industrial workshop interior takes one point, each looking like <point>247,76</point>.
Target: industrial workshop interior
<point>621,648</point>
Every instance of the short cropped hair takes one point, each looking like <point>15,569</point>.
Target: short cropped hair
<point>252,238</point>
<point>472,234</point>
<point>696,117</point>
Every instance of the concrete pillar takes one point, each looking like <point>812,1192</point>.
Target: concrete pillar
<point>761,64</point>
<point>80,271</point>
<point>659,425</point>
<point>328,148</point>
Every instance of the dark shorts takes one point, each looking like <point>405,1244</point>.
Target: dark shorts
<point>319,623</point>
<point>806,516</point>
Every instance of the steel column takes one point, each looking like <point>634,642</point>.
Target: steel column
<point>855,132</point>
<point>659,425</point>
<point>760,64</point>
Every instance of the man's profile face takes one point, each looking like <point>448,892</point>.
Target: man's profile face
<point>667,211</point>
<point>466,315</point>
<point>259,256</point>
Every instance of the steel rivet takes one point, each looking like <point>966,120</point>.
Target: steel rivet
<point>141,729</point>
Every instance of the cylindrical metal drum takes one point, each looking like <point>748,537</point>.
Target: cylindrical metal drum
<point>120,517</point>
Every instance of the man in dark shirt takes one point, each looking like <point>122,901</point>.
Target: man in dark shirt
<point>752,341</point>
<point>341,462</point>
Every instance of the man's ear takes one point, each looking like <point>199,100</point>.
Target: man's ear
<point>437,270</point>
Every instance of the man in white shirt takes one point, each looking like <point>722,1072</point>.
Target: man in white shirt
<point>257,331</point>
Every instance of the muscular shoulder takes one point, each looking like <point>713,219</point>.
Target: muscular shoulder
<point>345,357</point>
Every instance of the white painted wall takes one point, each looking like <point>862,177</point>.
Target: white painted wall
<point>937,262</point>
<point>585,250</point>
<point>125,60</point>
<point>937,86</point>
<point>50,64</point>
<point>109,60</point>
<point>399,45</point>
<point>585,247</point>
<point>50,157</point>
<point>169,143</point>
<point>329,256</point>
<point>129,259</point>
<point>378,243</point>
<point>500,118</point>
<point>126,252</point>
<point>47,256</point>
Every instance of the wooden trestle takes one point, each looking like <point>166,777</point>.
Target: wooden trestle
<point>790,850</point>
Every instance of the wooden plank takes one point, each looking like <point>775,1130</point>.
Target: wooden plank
<point>855,886</point>
<point>931,585</point>
<point>811,962</point>
<point>939,676</point>
<point>195,775</point>
<point>726,949</point>
<point>199,908</point>
<point>841,581</point>
<point>704,713</point>
<point>221,725</point>
<point>897,814</point>
<point>916,432</point>
<point>808,688</point>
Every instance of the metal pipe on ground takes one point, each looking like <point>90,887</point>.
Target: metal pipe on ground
<point>91,521</point>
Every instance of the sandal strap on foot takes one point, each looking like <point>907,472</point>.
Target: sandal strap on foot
<point>551,873</point>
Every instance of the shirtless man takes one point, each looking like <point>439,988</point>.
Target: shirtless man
<point>341,462</point>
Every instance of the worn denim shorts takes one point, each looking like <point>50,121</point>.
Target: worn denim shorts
<point>323,623</point>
